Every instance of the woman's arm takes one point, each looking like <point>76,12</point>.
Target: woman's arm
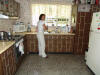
<point>45,27</point>
<point>36,28</point>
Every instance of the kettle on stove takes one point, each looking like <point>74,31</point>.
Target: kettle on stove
<point>3,35</point>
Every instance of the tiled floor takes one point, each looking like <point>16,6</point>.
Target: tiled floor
<point>56,64</point>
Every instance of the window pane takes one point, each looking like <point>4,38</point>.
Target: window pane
<point>53,13</point>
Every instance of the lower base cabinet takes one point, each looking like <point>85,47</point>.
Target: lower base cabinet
<point>54,43</point>
<point>8,62</point>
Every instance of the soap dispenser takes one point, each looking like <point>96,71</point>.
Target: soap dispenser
<point>29,28</point>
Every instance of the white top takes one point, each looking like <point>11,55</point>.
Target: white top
<point>40,25</point>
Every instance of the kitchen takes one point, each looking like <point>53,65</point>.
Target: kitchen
<point>68,39</point>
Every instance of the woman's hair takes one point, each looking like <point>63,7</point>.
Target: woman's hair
<point>40,17</point>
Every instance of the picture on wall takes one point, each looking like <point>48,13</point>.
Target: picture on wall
<point>84,8</point>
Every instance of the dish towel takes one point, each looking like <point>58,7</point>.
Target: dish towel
<point>21,48</point>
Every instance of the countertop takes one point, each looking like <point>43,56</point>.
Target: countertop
<point>4,45</point>
<point>24,33</point>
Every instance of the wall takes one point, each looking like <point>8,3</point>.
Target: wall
<point>74,15</point>
<point>25,12</point>
<point>6,24</point>
<point>82,29</point>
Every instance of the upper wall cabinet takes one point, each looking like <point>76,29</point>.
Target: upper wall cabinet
<point>10,8</point>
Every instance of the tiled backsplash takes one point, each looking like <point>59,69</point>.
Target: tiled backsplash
<point>6,24</point>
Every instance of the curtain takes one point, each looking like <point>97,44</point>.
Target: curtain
<point>51,11</point>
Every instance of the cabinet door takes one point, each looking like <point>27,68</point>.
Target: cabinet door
<point>71,47</point>
<point>34,45</point>
<point>12,61</point>
<point>4,63</point>
<point>63,42</point>
<point>1,5</point>
<point>69,41</point>
<point>59,44</point>
<point>1,66</point>
<point>10,8</point>
<point>16,9</point>
<point>28,43</point>
<point>54,44</point>
<point>47,43</point>
<point>8,62</point>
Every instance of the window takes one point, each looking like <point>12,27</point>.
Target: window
<point>55,14</point>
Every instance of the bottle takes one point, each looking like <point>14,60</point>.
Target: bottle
<point>67,28</point>
<point>9,36</point>
<point>88,1</point>
<point>29,28</point>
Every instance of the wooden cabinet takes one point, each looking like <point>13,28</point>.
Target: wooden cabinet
<point>7,62</point>
<point>10,8</point>
<point>31,43</point>
<point>54,43</point>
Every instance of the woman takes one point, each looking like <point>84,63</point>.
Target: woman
<point>40,35</point>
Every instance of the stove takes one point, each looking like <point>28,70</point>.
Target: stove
<point>18,46</point>
<point>17,38</point>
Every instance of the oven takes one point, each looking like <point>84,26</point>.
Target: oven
<point>18,47</point>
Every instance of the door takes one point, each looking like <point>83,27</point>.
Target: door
<point>93,56</point>
<point>95,22</point>
<point>97,54</point>
<point>91,39</point>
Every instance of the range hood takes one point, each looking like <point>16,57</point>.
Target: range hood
<point>2,16</point>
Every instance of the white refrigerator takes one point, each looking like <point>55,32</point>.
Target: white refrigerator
<point>93,54</point>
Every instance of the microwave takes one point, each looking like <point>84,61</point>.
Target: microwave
<point>19,28</point>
